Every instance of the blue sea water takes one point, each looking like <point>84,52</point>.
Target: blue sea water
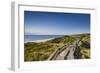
<point>28,38</point>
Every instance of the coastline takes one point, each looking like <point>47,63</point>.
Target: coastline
<point>38,41</point>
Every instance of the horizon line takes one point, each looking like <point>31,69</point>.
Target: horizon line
<point>61,34</point>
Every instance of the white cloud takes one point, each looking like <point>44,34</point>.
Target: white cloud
<point>39,31</point>
<point>49,31</point>
<point>44,31</point>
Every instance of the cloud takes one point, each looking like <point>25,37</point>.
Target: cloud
<point>44,31</point>
<point>40,30</point>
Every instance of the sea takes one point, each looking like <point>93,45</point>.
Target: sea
<point>28,38</point>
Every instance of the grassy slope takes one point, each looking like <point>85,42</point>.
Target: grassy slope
<point>41,51</point>
<point>83,48</point>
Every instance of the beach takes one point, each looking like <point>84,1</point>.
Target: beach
<point>43,40</point>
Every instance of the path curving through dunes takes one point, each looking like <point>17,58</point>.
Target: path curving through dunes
<point>67,52</point>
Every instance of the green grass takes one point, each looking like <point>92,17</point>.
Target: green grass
<point>41,51</point>
<point>85,53</point>
<point>83,48</point>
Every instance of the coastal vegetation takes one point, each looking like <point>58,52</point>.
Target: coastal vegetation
<point>83,47</point>
<point>40,51</point>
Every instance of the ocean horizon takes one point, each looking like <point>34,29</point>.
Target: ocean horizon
<point>28,38</point>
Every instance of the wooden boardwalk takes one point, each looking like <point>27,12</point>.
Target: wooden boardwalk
<point>64,52</point>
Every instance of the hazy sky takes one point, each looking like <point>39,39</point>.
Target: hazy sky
<point>52,23</point>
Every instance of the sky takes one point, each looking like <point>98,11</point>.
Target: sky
<point>54,23</point>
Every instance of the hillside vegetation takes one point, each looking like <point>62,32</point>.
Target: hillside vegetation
<point>41,51</point>
<point>83,47</point>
